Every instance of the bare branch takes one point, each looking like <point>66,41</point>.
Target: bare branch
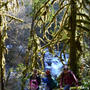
<point>15,18</point>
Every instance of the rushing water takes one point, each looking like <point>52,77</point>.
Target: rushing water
<point>52,62</point>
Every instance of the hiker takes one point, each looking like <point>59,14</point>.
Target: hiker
<point>51,83</point>
<point>67,78</point>
<point>35,80</point>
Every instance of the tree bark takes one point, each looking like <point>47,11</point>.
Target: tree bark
<point>1,66</point>
<point>73,50</point>
<point>1,53</point>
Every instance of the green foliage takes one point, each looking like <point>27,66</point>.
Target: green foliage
<point>36,5</point>
<point>20,68</point>
<point>36,1</point>
<point>86,83</point>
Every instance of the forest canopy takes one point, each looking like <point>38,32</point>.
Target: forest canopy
<point>28,28</point>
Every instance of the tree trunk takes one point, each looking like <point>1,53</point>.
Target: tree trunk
<point>73,59</point>
<point>1,66</point>
<point>89,28</point>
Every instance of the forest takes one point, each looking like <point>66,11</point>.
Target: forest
<point>44,35</point>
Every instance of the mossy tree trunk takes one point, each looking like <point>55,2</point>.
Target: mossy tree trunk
<point>1,57</point>
<point>73,50</point>
<point>1,68</point>
<point>89,28</point>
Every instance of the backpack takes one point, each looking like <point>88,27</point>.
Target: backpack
<point>33,84</point>
<point>52,83</point>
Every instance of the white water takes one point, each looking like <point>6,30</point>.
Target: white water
<point>56,65</point>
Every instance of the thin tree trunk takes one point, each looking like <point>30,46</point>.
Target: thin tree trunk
<point>1,66</point>
<point>89,28</point>
<point>1,52</point>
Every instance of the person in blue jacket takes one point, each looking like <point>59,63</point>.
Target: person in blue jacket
<point>50,82</point>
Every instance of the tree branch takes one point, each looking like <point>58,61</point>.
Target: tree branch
<point>15,18</point>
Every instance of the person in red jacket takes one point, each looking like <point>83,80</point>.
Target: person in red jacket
<point>67,79</point>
